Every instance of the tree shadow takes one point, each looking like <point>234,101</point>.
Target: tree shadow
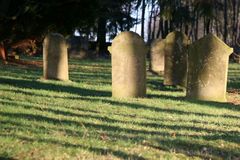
<point>26,73</point>
<point>233,85</point>
<point>158,85</point>
<point>6,158</point>
<point>202,103</point>
<point>96,150</point>
<point>191,148</point>
<point>110,128</point>
<point>146,107</point>
<point>98,94</point>
<point>181,145</point>
<point>53,87</point>
<point>71,111</point>
<point>163,110</point>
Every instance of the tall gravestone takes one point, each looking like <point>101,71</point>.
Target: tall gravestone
<point>55,58</point>
<point>175,68</point>
<point>207,69</point>
<point>128,52</point>
<point>157,56</point>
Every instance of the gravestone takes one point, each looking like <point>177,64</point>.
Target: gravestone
<point>128,53</point>
<point>157,56</point>
<point>78,47</point>
<point>55,58</point>
<point>207,69</point>
<point>175,68</point>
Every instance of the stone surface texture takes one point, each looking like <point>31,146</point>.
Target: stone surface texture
<point>207,69</point>
<point>55,58</point>
<point>128,52</point>
<point>175,68</point>
<point>157,56</point>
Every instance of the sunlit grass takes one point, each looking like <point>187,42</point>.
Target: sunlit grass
<point>78,119</point>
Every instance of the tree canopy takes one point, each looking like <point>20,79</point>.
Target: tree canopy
<point>34,18</point>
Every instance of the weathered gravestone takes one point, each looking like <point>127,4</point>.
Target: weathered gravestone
<point>175,68</point>
<point>157,56</point>
<point>207,69</point>
<point>55,58</point>
<point>128,52</point>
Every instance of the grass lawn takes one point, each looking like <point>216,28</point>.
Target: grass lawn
<point>78,119</point>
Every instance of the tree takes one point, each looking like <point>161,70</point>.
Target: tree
<point>32,18</point>
<point>112,16</point>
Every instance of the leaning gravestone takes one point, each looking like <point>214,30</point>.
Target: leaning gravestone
<point>157,56</point>
<point>128,52</point>
<point>55,58</point>
<point>207,69</point>
<point>175,68</point>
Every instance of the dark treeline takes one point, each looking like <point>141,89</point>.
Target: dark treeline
<point>21,19</point>
<point>196,18</point>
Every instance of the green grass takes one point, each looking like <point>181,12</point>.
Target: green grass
<point>78,119</point>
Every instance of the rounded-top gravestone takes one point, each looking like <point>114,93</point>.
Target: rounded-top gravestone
<point>207,69</point>
<point>175,69</point>
<point>128,53</point>
<point>55,58</point>
<point>157,56</point>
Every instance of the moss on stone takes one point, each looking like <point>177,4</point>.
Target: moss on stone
<point>207,69</point>
<point>128,52</point>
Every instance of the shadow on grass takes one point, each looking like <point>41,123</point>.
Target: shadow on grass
<point>55,121</point>
<point>181,145</point>
<point>169,110</point>
<point>96,150</point>
<point>26,73</point>
<point>98,95</point>
<point>138,135</point>
<point>158,85</point>
<point>234,85</point>
<point>192,148</point>
<point>54,87</point>
<point>203,103</point>
<point>227,135</point>
<point>8,101</point>
<point>6,158</point>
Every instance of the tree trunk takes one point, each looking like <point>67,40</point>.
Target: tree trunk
<point>154,24</point>
<point>136,21</point>
<point>217,24</point>
<point>208,25</point>
<point>237,23</point>
<point>143,18</point>
<point>101,37</point>
<point>196,26</point>
<point>128,18</point>
<point>150,24</point>
<point>225,34</point>
<point>160,28</point>
<point>233,20</point>
<point>166,28</point>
